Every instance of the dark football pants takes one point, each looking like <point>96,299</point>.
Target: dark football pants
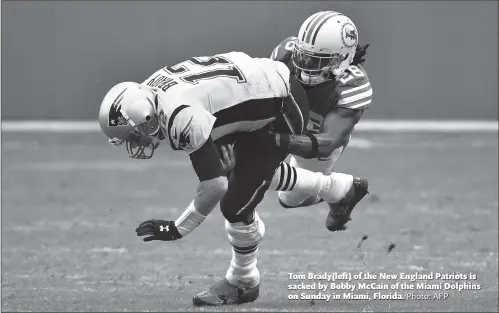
<point>250,178</point>
<point>255,164</point>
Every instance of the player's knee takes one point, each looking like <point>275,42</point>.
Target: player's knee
<point>230,215</point>
<point>229,206</point>
<point>245,236</point>
<point>233,213</point>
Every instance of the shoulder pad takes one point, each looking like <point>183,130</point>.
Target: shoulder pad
<point>284,50</point>
<point>353,89</point>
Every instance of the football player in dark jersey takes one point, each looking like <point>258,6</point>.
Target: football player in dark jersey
<point>327,60</point>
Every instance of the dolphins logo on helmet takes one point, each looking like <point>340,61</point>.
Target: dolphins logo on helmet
<point>325,47</point>
<point>349,35</point>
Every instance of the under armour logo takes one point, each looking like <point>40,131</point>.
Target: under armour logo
<point>164,228</point>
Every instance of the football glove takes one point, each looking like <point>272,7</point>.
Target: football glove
<point>158,230</point>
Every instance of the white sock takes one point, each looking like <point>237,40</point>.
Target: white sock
<point>244,239</point>
<point>288,178</point>
<point>332,188</point>
<point>340,185</point>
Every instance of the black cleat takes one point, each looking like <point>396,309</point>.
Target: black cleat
<point>224,293</point>
<point>339,213</point>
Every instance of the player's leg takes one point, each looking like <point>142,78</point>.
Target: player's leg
<point>304,182</point>
<point>316,182</point>
<point>352,190</point>
<point>248,183</point>
<point>341,209</point>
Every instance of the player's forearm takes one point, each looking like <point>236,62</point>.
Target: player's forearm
<point>303,146</point>
<point>338,124</point>
<point>208,194</point>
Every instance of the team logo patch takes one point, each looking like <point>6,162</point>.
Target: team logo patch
<point>115,117</point>
<point>184,140</point>
<point>349,35</point>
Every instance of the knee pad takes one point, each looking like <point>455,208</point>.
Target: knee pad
<point>290,199</point>
<point>243,237</point>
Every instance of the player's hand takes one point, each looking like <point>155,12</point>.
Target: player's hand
<point>158,230</point>
<point>267,138</point>
<point>228,158</point>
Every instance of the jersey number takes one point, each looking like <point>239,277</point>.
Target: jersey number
<point>353,71</point>
<point>231,71</point>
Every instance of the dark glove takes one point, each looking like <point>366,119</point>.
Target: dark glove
<point>158,230</point>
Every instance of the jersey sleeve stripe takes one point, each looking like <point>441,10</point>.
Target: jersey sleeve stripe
<point>361,105</point>
<point>350,90</point>
<point>356,97</point>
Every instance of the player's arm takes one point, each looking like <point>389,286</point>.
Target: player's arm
<point>194,137</point>
<point>337,125</point>
<point>210,190</point>
<point>353,94</point>
<point>284,50</point>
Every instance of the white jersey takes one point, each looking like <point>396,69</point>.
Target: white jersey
<point>219,95</point>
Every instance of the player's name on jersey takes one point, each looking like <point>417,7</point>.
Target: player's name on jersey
<point>333,276</point>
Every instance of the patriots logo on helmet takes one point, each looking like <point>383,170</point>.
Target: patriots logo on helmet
<point>349,35</point>
<point>116,118</point>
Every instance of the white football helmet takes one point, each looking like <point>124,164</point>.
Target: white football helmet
<point>130,113</point>
<point>325,45</point>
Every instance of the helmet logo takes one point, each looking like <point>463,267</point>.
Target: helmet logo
<point>115,117</point>
<point>349,35</point>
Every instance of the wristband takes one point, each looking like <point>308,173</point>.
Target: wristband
<point>315,147</point>
<point>189,220</point>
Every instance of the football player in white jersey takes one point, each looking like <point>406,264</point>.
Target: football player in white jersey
<point>195,106</point>
<point>327,60</point>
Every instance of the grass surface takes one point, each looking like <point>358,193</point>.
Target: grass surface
<point>71,203</point>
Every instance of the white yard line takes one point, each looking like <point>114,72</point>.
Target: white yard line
<point>373,125</point>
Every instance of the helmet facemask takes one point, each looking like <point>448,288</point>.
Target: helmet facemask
<point>315,68</point>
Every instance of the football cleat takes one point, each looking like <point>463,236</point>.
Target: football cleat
<point>225,293</point>
<point>339,213</point>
